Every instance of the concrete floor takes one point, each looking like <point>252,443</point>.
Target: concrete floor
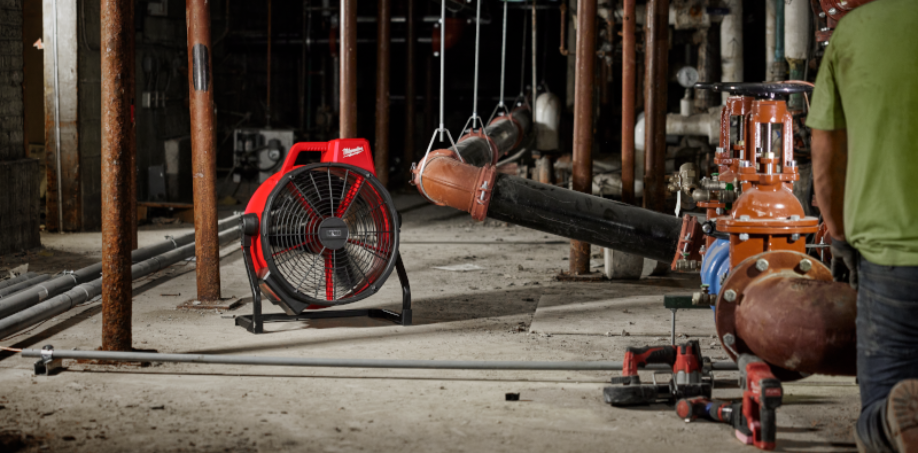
<point>487,314</point>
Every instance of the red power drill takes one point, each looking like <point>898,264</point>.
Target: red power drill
<point>753,417</point>
<point>687,369</point>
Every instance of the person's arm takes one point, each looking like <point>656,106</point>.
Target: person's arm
<point>830,163</point>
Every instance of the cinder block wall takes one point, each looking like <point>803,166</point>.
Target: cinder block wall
<point>19,183</point>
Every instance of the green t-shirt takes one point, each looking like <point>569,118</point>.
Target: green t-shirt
<point>868,84</point>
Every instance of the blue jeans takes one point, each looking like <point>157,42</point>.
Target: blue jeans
<point>887,343</point>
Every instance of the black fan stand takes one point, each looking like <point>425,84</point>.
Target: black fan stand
<point>255,322</point>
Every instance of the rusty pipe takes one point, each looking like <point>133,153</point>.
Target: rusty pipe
<point>410,96</point>
<point>116,28</point>
<point>348,52</point>
<point>563,47</point>
<point>628,88</point>
<point>268,69</point>
<point>383,33</point>
<point>801,325</point>
<point>132,171</point>
<point>203,149</point>
<point>582,176</point>
<point>656,30</point>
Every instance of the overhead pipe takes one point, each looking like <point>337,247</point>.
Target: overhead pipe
<point>44,290</point>
<point>203,148</point>
<point>771,24</point>
<point>87,291</point>
<point>582,176</point>
<point>381,146</point>
<point>797,34</point>
<point>117,129</point>
<point>731,45</point>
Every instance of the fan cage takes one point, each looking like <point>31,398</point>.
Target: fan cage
<point>309,271</point>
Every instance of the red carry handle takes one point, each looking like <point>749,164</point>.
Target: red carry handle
<point>301,147</point>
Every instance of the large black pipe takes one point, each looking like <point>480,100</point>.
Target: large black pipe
<point>503,132</point>
<point>584,217</point>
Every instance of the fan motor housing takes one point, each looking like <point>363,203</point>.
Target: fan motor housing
<point>334,218</point>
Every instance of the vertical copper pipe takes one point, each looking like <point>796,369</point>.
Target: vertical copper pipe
<point>383,32</point>
<point>628,71</point>
<point>348,103</point>
<point>116,179</point>
<point>131,92</point>
<point>203,149</point>
<point>656,30</point>
<point>583,120</point>
<point>268,68</point>
<point>410,94</point>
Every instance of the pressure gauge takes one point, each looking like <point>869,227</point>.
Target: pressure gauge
<point>687,77</point>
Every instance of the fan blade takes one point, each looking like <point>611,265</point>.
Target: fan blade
<point>348,273</point>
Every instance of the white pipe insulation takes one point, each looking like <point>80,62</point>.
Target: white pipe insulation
<point>731,44</point>
<point>796,30</point>
<point>547,121</point>
<point>771,20</point>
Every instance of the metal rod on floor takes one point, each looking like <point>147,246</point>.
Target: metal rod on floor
<point>582,177</point>
<point>204,149</point>
<point>116,181</point>
<point>348,101</point>
<point>346,363</point>
<point>86,291</point>
<point>42,291</point>
<point>628,89</point>
<point>383,33</point>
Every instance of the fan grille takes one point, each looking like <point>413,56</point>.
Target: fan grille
<point>300,203</point>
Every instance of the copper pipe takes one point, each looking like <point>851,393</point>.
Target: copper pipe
<point>203,149</point>
<point>583,120</point>
<point>268,62</point>
<point>133,135</point>
<point>410,96</point>
<point>383,33</point>
<point>348,98</point>
<point>628,86</point>
<point>656,30</point>
<point>563,47</point>
<point>116,28</point>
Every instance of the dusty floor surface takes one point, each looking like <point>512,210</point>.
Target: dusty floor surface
<point>484,314</point>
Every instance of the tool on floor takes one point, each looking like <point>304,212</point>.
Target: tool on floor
<point>752,418</point>
<point>690,375</point>
<point>322,234</point>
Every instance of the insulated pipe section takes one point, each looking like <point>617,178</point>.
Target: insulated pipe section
<point>574,215</point>
<point>347,363</point>
<point>19,279</point>
<point>13,289</point>
<point>37,293</point>
<point>86,291</point>
<point>506,133</point>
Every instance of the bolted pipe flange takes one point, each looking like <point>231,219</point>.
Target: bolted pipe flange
<point>730,295</point>
<point>761,264</point>
<point>806,265</point>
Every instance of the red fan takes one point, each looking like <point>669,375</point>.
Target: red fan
<point>322,234</point>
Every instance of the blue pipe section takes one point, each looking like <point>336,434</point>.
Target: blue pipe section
<point>715,265</point>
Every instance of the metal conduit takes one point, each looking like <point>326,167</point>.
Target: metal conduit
<point>86,291</point>
<point>42,291</point>
<point>17,279</point>
<point>349,363</point>
<point>13,289</point>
